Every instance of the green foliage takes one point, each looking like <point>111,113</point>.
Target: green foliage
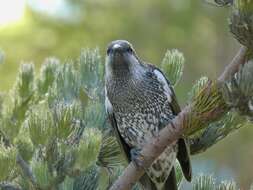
<point>40,170</point>
<point>88,179</point>
<point>56,123</point>
<point>109,153</point>
<point>203,182</point>
<point>67,184</point>
<point>24,144</point>
<point>63,119</point>
<point>209,101</point>
<point>91,112</point>
<point>179,174</point>
<point>197,87</point>
<point>15,109</point>
<point>40,124</point>
<point>9,127</point>
<point>48,72</point>
<point>227,185</point>
<point>238,91</point>
<point>7,160</point>
<point>216,131</point>
<point>24,86</point>
<point>49,122</point>
<point>88,148</point>
<point>90,65</point>
<point>173,65</point>
<point>241,24</point>
<point>67,85</point>
<point>244,5</point>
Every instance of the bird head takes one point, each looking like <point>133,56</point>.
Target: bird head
<point>121,58</point>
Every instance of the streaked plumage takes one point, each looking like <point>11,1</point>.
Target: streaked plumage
<point>140,101</point>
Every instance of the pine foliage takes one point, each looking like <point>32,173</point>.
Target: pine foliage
<point>51,125</point>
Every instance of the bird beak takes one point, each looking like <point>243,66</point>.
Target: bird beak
<point>116,50</point>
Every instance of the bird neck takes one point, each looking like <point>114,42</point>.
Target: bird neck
<point>120,83</point>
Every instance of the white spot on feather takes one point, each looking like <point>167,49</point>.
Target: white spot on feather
<point>167,160</point>
<point>115,46</point>
<point>108,105</point>
<point>108,69</point>
<point>163,80</point>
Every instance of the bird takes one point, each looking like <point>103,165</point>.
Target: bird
<point>140,101</point>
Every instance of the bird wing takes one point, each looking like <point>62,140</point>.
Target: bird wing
<point>145,181</point>
<point>183,154</point>
<point>171,182</point>
<point>111,117</point>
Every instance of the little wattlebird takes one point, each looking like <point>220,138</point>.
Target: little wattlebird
<point>139,102</point>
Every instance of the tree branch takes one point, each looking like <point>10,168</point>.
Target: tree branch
<point>233,67</point>
<point>26,169</point>
<point>176,128</point>
<point>5,140</point>
<point>214,133</point>
<point>21,162</point>
<point>8,186</point>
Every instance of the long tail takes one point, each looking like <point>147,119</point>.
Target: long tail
<point>146,183</point>
<point>170,184</point>
<point>183,157</point>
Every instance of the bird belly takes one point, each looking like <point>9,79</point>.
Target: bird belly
<point>137,129</point>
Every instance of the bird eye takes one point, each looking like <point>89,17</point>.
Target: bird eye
<point>109,50</point>
<point>129,50</point>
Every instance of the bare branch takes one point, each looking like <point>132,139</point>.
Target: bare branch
<point>26,169</point>
<point>8,186</point>
<point>233,67</point>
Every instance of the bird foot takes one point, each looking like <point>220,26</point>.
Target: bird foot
<point>137,157</point>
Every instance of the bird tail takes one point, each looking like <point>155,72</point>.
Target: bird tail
<point>147,183</point>
<point>183,157</point>
<point>170,184</point>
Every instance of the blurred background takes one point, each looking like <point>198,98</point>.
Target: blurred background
<point>31,30</point>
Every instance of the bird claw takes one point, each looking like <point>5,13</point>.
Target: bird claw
<point>137,157</point>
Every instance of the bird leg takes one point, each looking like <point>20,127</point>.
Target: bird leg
<point>137,157</point>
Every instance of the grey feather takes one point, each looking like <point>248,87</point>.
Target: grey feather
<point>140,101</point>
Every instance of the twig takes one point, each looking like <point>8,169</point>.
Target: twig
<point>171,133</point>
<point>6,141</point>
<point>21,162</point>
<point>8,186</point>
<point>26,169</point>
<point>209,137</point>
<point>233,67</point>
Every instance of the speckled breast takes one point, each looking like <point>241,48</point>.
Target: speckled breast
<point>141,110</point>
